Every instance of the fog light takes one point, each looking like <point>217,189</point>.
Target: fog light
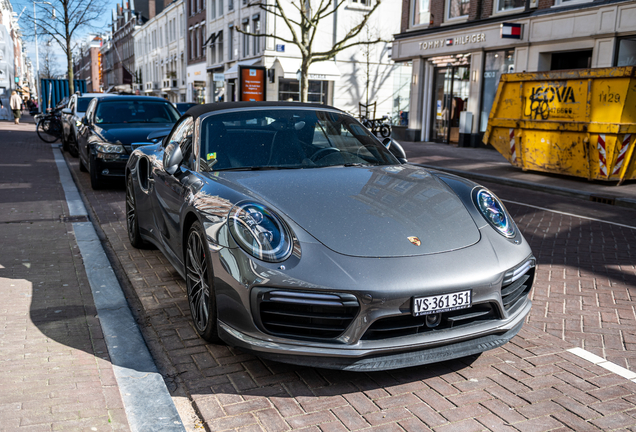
<point>105,172</point>
<point>433,320</point>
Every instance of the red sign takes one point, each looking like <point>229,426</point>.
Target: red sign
<point>252,83</point>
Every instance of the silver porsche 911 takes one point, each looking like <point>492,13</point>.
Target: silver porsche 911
<point>304,239</point>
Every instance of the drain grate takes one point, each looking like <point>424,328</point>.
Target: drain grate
<point>602,200</point>
<point>73,218</point>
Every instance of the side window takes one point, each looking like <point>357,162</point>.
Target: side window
<point>90,109</point>
<point>182,136</point>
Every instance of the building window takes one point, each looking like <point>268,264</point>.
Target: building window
<point>213,51</point>
<point>219,43</point>
<point>230,43</point>
<point>458,8</point>
<point>202,39</point>
<point>246,39</point>
<point>196,43</point>
<point>220,7</point>
<point>190,43</point>
<point>421,13</point>
<point>505,5</point>
<point>289,90</point>
<point>212,9</point>
<point>230,5</point>
<point>626,52</point>
<point>257,29</point>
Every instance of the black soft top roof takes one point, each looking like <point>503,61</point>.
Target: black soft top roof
<point>199,110</point>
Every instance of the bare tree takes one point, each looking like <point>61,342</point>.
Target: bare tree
<point>48,69</point>
<point>62,20</point>
<point>303,25</point>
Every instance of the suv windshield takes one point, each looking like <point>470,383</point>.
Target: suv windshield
<point>135,111</point>
<point>82,103</point>
<point>285,138</point>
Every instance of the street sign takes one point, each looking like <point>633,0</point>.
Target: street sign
<point>280,48</point>
<point>218,77</point>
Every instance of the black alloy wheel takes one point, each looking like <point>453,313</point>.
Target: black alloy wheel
<point>96,178</point>
<point>132,223</point>
<point>200,291</point>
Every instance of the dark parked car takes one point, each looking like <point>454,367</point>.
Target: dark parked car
<point>72,115</point>
<point>302,238</point>
<point>182,107</point>
<point>112,125</point>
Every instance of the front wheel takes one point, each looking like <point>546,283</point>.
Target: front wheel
<point>198,282</point>
<point>132,222</point>
<point>385,131</point>
<point>47,130</point>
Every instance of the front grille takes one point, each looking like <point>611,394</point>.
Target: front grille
<point>407,324</point>
<point>307,315</point>
<point>517,284</point>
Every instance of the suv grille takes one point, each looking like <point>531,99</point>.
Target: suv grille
<point>407,324</point>
<point>516,285</point>
<point>307,315</point>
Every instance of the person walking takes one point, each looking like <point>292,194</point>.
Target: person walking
<point>16,106</point>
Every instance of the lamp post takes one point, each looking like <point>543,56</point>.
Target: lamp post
<point>37,57</point>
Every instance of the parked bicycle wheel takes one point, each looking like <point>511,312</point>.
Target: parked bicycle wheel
<point>385,131</point>
<point>49,129</point>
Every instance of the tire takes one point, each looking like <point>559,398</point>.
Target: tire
<point>96,179</point>
<point>201,297</point>
<point>385,131</point>
<point>72,147</point>
<point>82,167</point>
<point>65,144</point>
<point>132,222</point>
<point>46,132</point>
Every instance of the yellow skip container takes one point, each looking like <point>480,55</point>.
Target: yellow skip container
<point>575,122</point>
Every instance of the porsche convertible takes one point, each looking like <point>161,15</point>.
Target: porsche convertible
<point>304,239</point>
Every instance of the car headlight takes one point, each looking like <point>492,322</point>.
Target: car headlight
<point>109,148</point>
<point>260,232</point>
<point>495,213</point>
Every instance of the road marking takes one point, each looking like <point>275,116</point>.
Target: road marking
<point>147,402</point>
<point>570,214</point>
<point>600,361</point>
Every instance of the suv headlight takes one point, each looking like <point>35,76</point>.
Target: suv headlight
<point>260,232</point>
<point>494,212</point>
<point>109,148</point>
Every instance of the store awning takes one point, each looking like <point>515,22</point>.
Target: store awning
<point>232,72</point>
<point>323,71</point>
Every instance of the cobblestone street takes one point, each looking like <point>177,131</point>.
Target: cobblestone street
<point>583,297</point>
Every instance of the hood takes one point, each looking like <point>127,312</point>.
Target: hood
<point>366,211</point>
<point>127,134</point>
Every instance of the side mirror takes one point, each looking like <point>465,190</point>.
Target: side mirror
<point>67,111</point>
<point>172,158</point>
<point>396,149</point>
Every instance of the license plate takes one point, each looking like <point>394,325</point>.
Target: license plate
<point>441,303</point>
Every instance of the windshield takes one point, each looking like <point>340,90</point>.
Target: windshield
<point>284,138</point>
<point>82,103</point>
<point>184,106</point>
<point>135,111</point>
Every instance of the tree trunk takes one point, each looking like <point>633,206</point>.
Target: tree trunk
<point>69,52</point>
<point>304,79</point>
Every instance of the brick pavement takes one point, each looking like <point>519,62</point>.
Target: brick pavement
<point>530,384</point>
<point>55,372</point>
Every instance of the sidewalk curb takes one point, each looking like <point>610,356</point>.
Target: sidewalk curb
<point>587,196</point>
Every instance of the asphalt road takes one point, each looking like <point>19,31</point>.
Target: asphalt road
<point>583,298</point>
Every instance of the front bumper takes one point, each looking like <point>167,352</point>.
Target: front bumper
<point>111,165</point>
<point>361,359</point>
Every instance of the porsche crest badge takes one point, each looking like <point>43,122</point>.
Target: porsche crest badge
<point>416,241</point>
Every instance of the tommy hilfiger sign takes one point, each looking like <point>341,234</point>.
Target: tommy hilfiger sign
<point>459,40</point>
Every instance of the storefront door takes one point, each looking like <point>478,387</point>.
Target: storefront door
<point>451,88</point>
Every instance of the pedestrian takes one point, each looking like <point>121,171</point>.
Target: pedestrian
<point>16,105</point>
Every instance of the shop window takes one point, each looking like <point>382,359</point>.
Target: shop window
<point>496,64</point>
<point>421,12</point>
<point>506,5</point>
<point>289,90</point>
<point>626,52</point>
<point>457,9</point>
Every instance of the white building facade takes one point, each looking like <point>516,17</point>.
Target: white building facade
<point>359,74</point>
<point>160,54</point>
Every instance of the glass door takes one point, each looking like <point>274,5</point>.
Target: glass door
<point>451,89</point>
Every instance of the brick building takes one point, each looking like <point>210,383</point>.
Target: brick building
<point>87,64</point>
<point>195,50</point>
<point>460,48</point>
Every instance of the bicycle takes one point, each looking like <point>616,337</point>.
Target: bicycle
<point>381,125</point>
<point>49,127</point>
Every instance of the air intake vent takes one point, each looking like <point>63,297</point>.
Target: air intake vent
<point>516,285</point>
<point>407,324</point>
<point>307,315</point>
